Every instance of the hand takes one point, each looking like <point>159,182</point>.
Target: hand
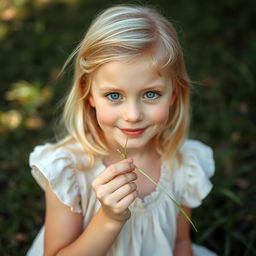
<point>115,190</point>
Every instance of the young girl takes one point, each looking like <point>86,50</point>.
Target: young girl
<point>130,82</point>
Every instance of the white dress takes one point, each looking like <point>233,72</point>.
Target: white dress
<point>152,227</point>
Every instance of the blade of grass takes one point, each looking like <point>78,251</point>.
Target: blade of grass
<point>124,156</point>
<point>125,147</point>
<point>230,195</point>
<point>166,193</point>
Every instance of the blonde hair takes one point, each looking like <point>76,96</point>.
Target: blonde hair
<point>121,33</point>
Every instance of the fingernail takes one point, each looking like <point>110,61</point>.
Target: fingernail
<point>129,160</point>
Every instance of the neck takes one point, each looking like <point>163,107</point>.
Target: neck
<point>137,153</point>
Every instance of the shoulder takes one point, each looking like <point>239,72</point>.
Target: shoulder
<point>192,178</point>
<point>58,166</point>
<point>196,152</point>
<point>49,154</point>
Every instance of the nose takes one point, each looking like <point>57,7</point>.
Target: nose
<point>133,112</point>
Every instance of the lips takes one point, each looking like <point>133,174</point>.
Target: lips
<point>133,132</point>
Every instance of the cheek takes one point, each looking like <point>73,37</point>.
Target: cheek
<point>105,116</point>
<point>160,115</point>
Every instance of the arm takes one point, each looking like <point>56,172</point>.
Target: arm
<point>63,228</point>
<point>183,242</point>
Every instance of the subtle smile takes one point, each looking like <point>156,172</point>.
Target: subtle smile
<point>133,132</point>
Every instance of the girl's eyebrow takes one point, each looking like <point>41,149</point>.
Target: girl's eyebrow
<point>151,87</point>
<point>108,88</point>
<point>157,86</point>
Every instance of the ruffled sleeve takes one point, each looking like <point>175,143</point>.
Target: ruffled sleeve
<point>57,167</point>
<point>198,168</point>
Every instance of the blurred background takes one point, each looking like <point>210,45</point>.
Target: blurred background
<point>219,42</point>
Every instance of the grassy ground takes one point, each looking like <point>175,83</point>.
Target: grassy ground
<point>219,45</point>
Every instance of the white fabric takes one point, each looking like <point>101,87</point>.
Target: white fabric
<point>152,227</point>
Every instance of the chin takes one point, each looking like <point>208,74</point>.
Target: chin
<point>136,143</point>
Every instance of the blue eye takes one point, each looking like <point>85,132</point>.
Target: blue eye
<point>114,96</point>
<point>151,95</point>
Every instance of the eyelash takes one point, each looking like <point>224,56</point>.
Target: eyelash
<point>108,95</point>
<point>157,94</point>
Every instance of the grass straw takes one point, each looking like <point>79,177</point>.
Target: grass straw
<point>124,156</point>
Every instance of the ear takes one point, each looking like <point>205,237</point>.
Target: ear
<point>91,101</point>
<point>173,98</point>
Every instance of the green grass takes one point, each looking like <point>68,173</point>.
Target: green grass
<point>219,47</point>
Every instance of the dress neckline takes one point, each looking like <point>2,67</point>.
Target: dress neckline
<point>141,204</point>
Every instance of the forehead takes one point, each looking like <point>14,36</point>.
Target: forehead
<point>136,71</point>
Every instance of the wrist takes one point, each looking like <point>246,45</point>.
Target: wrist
<point>110,222</point>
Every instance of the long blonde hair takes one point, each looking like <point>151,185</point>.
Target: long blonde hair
<point>119,33</point>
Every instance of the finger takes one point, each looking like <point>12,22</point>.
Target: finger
<point>125,202</point>
<point>122,192</point>
<point>120,181</point>
<point>114,170</point>
<point>104,191</point>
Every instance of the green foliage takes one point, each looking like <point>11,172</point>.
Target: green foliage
<point>218,37</point>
